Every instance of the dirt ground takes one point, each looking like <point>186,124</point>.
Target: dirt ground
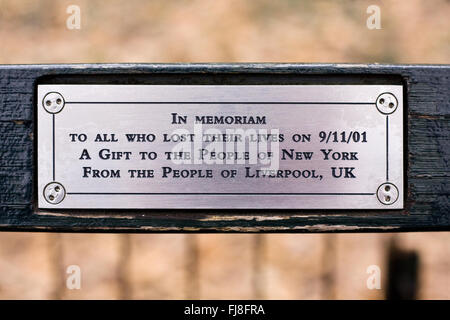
<point>220,266</point>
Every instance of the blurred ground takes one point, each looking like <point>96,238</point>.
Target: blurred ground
<point>412,31</point>
<point>238,266</point>
<point>235,266</point>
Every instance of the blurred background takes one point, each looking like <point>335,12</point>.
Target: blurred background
<point>224,266</point>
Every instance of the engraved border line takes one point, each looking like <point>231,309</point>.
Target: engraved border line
<point>206,102</point>
<point>219,193</point>
<point>217,102</point>
<point>387,148</point>
<point>53,142</point>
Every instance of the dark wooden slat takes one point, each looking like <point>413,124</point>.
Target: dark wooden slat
<point>429,157</point>
<point>428,136</point>
<point>16,144</point>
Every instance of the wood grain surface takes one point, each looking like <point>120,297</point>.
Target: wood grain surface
<point>427,148</point>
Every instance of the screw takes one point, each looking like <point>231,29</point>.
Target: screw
<point>387,193</point>
<point>386,103</point>
<point>53,102</point>
<point>54,192</point>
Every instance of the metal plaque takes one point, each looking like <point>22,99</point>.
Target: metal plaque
<point>222,146</point>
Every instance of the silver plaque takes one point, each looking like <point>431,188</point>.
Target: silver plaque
<point>224,146</point>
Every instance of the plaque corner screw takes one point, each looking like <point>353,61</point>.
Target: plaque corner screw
<point>387,193</point>
<point>386,103</point>
<point>54,192</point>
<point>53,102</point>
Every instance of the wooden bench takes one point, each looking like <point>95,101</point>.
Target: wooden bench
<point>427,149</point>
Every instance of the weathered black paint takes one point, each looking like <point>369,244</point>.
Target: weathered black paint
<point>427,149</point>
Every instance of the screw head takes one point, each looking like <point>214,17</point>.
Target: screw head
<point>386,103</point>
<point>53,102</point>
<point>54,192</point>
<point>387,193</point>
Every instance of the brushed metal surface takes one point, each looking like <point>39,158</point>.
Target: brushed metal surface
<point>345,119</point>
